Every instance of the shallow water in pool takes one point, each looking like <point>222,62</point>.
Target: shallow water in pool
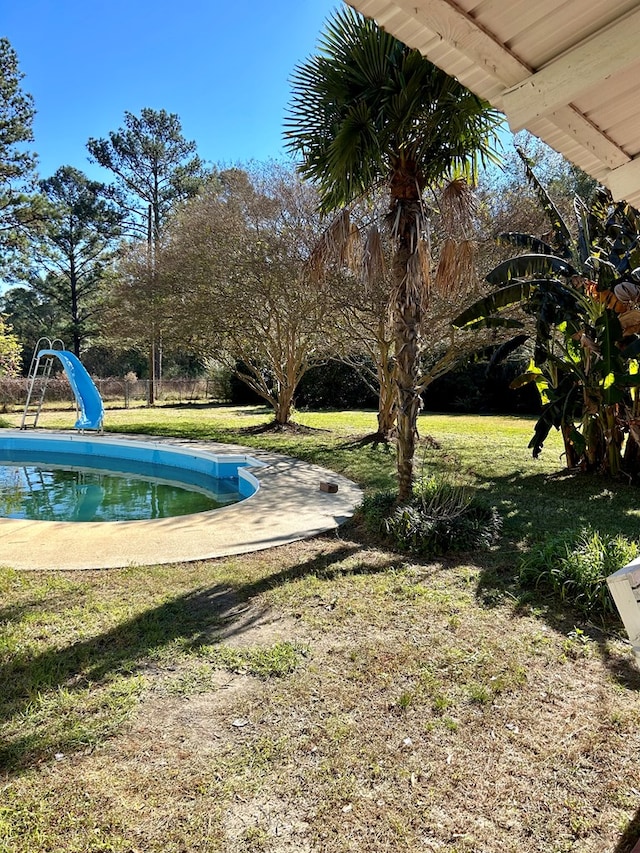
<point>45,492</point>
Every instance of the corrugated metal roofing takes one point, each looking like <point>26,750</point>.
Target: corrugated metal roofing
<point>567,70</point>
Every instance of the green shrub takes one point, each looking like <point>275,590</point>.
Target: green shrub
<point>443,517</point>
<point>428,533</point>
<point>574,567</point>
<point>334,385</point>
<point>375,509</point>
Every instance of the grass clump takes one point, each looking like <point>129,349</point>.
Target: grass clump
<point>442,518</point>
<point>574,566</point>
<point>276,661</point>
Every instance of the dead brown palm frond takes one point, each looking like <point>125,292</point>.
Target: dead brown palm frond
<point>457,208</point>
<point>456,272</point>
<point>374,264</point>
<point>419,273</point>
<point>447,270</point>
<point>339,244</point>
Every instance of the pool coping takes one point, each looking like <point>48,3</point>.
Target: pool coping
<point>288,506</point>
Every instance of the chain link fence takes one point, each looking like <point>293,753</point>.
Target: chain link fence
<point>117,392</point>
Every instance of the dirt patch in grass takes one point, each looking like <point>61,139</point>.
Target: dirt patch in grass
<point>413,716</point>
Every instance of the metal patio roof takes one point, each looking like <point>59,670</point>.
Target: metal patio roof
<point>566,70</point>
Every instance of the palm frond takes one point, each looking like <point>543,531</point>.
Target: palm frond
<point>456,272</point>
<point>374,265</point>
<point>457,204</point>
<point>339,244</point>
<point>366,99</point>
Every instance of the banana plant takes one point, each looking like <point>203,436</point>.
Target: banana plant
<point>582,290</point>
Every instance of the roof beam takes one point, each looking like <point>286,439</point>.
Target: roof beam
<point>447,23</point>
<point>563,79</point>
<point>583,133</point>
<point>624,180</point>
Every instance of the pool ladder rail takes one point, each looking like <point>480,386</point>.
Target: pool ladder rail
<point>39,369</point>
<point>38,491</point>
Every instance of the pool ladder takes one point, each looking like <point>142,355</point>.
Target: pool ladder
<point>39,369</point>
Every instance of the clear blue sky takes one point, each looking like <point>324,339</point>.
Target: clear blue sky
<point>224,68</point>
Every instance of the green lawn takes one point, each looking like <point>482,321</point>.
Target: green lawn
<point>329,695</point>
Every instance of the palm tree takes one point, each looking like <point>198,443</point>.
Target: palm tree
<point>368,112</point>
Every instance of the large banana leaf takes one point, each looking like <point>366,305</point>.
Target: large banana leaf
<point>557,412</point>
<point>553,304</point>
<point>551,417</point>
<point>610,366</point>
<point>497,301</point>
<point>601,270</point>
<point>504,350</point>
<point>561,233</point>
<point>584,237</point>
<point>535,375</point>
<point>493,323</point>
<point>631,380</point>
<point>525,241</point>
<point>624,254</point>
<point>529,265</point>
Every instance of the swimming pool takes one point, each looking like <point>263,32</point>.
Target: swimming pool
<point>75,479</point>
<point>284,503</point>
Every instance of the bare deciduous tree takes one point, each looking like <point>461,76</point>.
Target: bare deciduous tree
<point>238,254</point>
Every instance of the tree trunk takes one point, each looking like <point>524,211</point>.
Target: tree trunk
<point>151,397</point>
<point>386,415</point>
<point>284,404</point>
<point>613,438</point>
<point>570,454</point>
<point>387,393</point>
<point>151,246</point>
<point>406,313</point>
<point>75,319</point>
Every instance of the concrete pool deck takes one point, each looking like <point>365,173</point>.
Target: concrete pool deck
<point>288,506</point>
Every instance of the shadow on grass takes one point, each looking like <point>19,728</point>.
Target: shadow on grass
<point>290,428</point>
<point>533,505</point>
<point>373,439</point>
<point>495,588</point>
<point>630,837</point>
<point>536,506</point>
<point>211,405</point>
<point>266,436</point>
<point>200,617</point>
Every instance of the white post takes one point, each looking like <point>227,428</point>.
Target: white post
<point>624,586</point>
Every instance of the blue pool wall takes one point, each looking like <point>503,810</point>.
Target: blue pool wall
<point>179,459</point>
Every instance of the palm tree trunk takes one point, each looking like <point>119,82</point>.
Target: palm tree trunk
<point>406,317</point>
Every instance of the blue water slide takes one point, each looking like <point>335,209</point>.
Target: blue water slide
<point>87,395</point>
